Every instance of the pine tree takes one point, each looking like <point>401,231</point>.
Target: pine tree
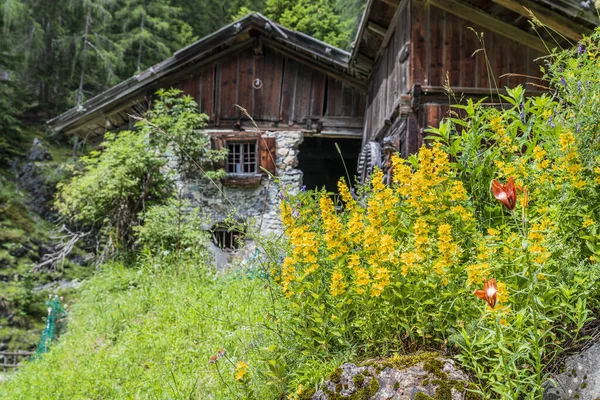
<point>316,18</point>
<point>148,32</point>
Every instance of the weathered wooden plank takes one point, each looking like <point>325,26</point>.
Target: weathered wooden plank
<point>360,99</point>
<point>347,101</point>
<point>377,29</point>
<point>342,122</point>
<point>317,93</point>
<point>334,97</point>
<point>217,96</point>
<point>483,78</point>
<point>288,96</point>
<point>273,70</point>
<point>463,10</point>
<point>245,89</point>
<point>454,27</point>
<point>229,88</point>
<point>555,21</point>
<point>393,51</point>
<point>436,55</point>
<point>468,60</point>
<point>258,94</point>
<point>418,53</point>
<point>302,108</point>
<point>207,96</point>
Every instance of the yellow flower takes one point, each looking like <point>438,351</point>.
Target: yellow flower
<point>241,368</point>
<point>458,192</point>
<point>337,283</point>
<point>361,280</point>
<point>381,280</point>
<point>346,195</point>
<point>409,262</point>
<point>587,222</point>
<point>539,153</point>
<point>477,273</point>
<point>493,232</point>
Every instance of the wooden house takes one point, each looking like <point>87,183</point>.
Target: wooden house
<point>413,49</point>
<point>310,99</point>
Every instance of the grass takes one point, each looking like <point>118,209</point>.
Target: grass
<point>148,332</point>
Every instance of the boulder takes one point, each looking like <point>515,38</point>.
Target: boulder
<point>415,377</point>
<point>38,152</point>
<point>580,379</point>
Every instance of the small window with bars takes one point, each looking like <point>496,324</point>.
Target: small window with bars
<point>241,158</point>
<point>227,239</point>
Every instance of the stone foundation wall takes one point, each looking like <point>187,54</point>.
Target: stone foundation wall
<point>256,205</point>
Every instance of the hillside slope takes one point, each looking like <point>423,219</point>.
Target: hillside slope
<point>148,332</point>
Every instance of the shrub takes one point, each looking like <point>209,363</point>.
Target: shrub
<point>174,124</point>
<point>398,267</point>
<point>172,227</point>
<point>117,184</point>
<point>114,185</point>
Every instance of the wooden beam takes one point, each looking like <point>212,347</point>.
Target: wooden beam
<point>554,21</point>
<point>375,28</point>
<point>476,16</point>
<point>392,3</point>
<point>392,28</point>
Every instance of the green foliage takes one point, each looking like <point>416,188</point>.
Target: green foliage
<point>174,124</point>
<point>172,227</point>
<point>115,184</point>
<point>150,31</point>
<point>399,267</point>
<point>315,18</point>
<point>23,235</point>
<point>149,332</point>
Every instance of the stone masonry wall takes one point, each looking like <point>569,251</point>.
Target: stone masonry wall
<point>257,205</point>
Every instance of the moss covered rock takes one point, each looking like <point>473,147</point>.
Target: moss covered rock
<point>421,376</point>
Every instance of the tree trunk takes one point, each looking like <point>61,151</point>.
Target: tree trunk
<point>84,57</point>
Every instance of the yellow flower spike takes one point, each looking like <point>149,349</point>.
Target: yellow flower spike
<point>346,196</point>
<point>241,369</point>
<point>337,283</point>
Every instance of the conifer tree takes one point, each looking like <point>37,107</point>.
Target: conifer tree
<point>148,31</point>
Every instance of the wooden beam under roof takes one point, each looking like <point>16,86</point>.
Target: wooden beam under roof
<point>563,25</point>
<point>481,18</point>
<point>378,29</point>
<point>393,3</point>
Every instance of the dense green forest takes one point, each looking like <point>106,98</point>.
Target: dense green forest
<point>56,54</point>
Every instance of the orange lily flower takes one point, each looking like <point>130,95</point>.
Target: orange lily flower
<point>505,194</point>
<point>489,292</point>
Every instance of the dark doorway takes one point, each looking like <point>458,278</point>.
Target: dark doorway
<point>321,163</point>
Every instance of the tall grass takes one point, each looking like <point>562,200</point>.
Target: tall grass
<point>148,332</point>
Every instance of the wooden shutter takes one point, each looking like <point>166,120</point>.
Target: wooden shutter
<point>219,143</point>
<point>267,154</point>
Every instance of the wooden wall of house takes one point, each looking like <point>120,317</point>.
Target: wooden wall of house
<point>390,77</point>
<point>441,47</point>
<point>290,93</point>
<point>444,43</point>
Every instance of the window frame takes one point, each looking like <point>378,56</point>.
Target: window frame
<point>264,156</point>
<point>221,234</point>
<point>242,161</point>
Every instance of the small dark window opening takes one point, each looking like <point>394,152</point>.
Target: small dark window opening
<point>241,158</point>
<point>227,239</point>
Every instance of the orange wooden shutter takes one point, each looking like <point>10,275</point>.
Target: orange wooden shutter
<point>218,143</point>
<point>267,154</point>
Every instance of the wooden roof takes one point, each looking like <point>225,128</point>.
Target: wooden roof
<point>232,37</point>
<point>567,20</point>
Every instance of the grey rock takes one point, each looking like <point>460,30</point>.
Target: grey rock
<point>38,152</point>
<point>392,383</point>
<point>581,379</point>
